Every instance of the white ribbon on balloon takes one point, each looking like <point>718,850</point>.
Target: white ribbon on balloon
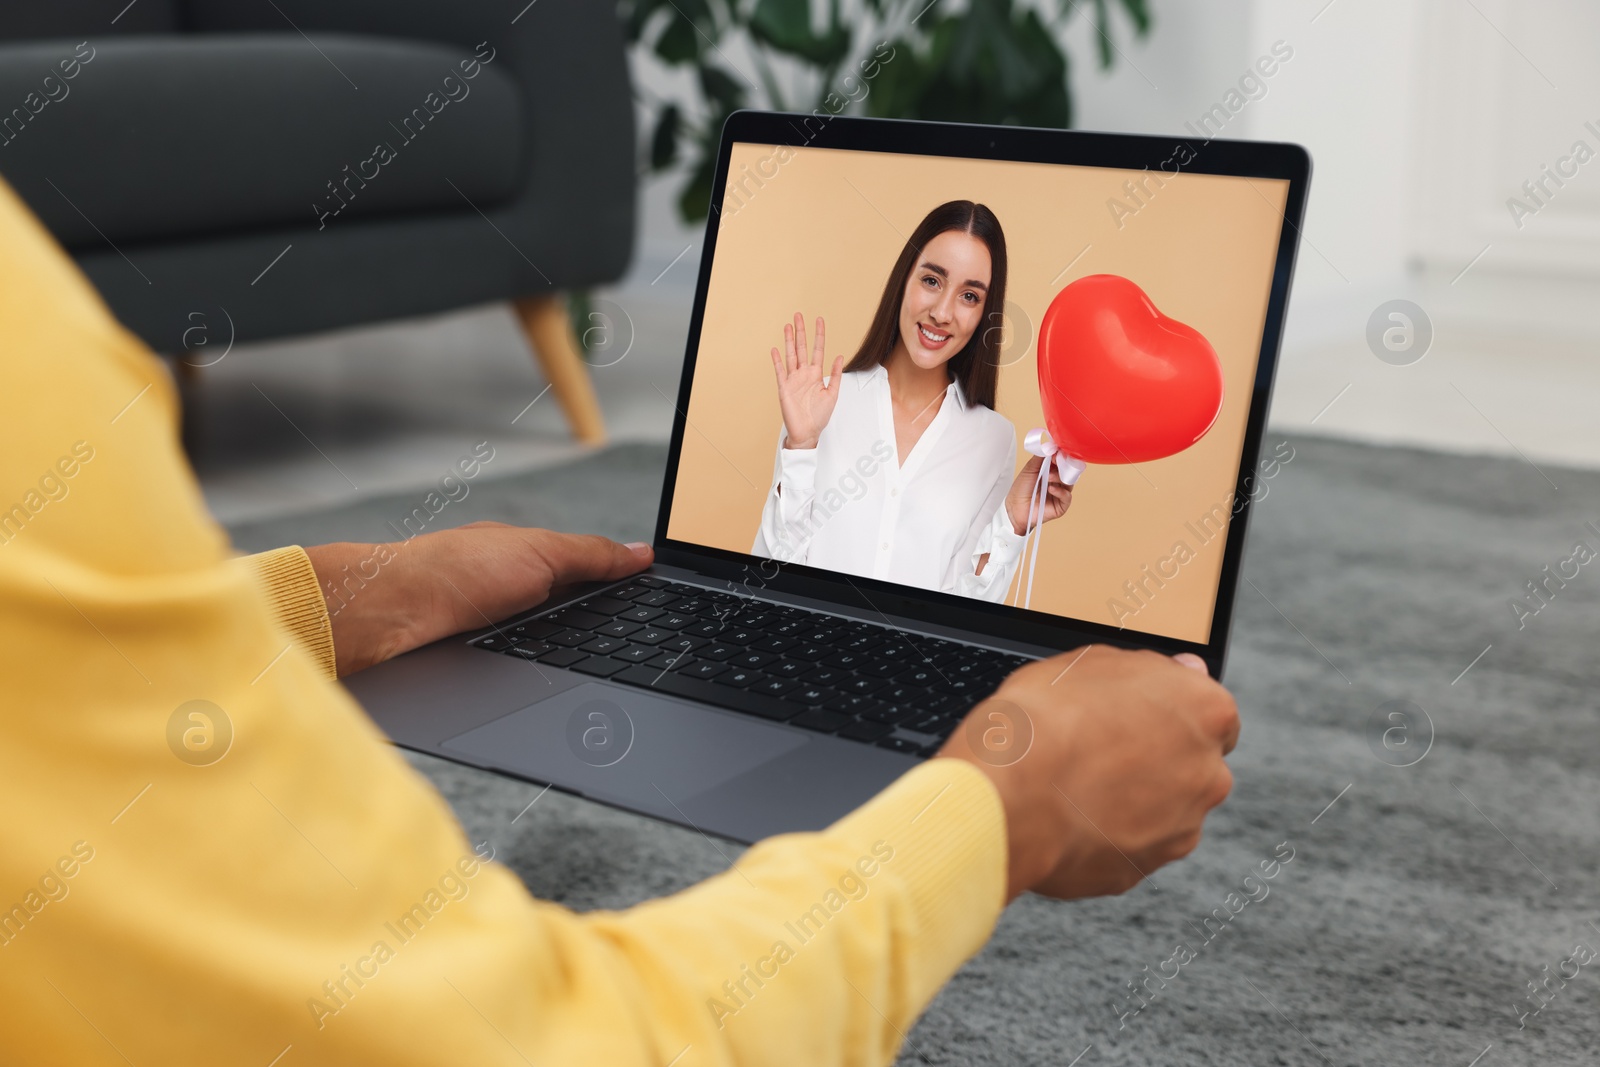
<point>1038,443</point>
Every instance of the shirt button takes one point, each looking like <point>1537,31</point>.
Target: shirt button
<point>894,492</point>
<point>884,546</point>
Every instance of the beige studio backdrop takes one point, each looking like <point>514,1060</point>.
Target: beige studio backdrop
<point>820,237</point>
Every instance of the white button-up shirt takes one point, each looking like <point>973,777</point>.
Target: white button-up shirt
<point>847,505</point>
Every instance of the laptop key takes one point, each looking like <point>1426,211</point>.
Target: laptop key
<point>930,724</point>
<point>600,666</point>
<point>900,744</point>
<point>641,614</point>
<point>717,651</point>
<point>866,731</point>
<point>650,635</point>
<point>576,617</point>
<point>888,713</point>
<point>857,705</point>
<point>536,630</point>
<point>564,657</point>
<point>789,668</point>
<point>937,701</point>
<point>668,660</point>
<point>774,644</point>
<point>635,653</point>
<point>680,643</point>
<point>495,642</point>
<point>710,628</point>
<point>604,646</point>
<point>603,605</point>
<point>571,638</point>
<point>703,668</point>
<point>628,592</point>
<point>652,581</point>
<point>863,642</point>
<point>733,699</point>
<point>752,659</point>
<point>530,649</point>
<point>822,721</point>
<point>850,661</point>
<point>826,675</point>
<point>812,695</point>
<point>617,629</point>
<point>775,687</point>
<point>965,668</point>
<point>862,684</point>
<point>909,695</point>
<point>740,677</point>
<point>808,652</point>
<point>658,599</point>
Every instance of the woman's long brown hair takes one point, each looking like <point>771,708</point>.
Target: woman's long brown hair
<point>976,368</point>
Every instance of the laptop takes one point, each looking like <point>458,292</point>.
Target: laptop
<point>830,598</point>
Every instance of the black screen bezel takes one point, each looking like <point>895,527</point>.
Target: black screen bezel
<point>1248,159</point>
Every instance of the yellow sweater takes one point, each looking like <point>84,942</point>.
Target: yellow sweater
<point>307,898</point>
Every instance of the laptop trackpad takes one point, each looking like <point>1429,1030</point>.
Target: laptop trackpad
<point>624,745</point>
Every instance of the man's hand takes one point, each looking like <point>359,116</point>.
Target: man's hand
<point>1124,763</point>
<point>390,598</point>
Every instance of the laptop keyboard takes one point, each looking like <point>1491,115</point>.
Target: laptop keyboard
<point>856,680</point>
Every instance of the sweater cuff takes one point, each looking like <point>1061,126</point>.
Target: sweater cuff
<point>946,825</point>
<point>288,581</point>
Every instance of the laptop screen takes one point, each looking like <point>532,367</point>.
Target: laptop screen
<point>894,345</point>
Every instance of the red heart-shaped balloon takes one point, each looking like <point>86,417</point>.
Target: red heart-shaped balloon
<point>1121,382</point>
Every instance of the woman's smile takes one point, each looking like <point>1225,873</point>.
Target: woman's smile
<point>932,339</point>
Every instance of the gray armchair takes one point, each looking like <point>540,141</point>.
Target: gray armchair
<point>309,164</point>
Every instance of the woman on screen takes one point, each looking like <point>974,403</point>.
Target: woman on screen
<point>896,466</point>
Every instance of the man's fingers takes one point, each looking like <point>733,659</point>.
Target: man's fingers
<point>588,558</point>
<point>1230,728</point>
<point>1221,787</point>
<point>1192,661</point>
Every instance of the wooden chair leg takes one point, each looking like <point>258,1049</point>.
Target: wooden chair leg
<point>548,328</point>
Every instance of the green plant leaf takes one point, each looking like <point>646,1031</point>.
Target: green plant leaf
<point>1139,12</point>
<point>664,142</point>
<point>1102,33</point>
<point>721,88</point>
<point>984,61</point>
<point>636,15</point>
<point>785,26</point>
<point>679,42</point>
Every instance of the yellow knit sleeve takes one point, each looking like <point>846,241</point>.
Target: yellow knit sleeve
<point>286,578</point>
<point>815,948</point>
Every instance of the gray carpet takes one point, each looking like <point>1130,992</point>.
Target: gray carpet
<point>1416,908</point>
